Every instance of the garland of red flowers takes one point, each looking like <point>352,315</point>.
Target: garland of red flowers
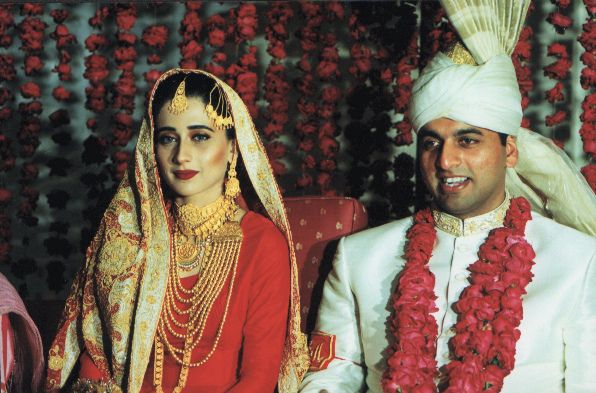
<point>276,86</point>
<point>521,61</point>
<point>306,124</point>
<point>125,88</point>
<point>328,71</point>
<point>588,80</point>
<point>558,70</point>
<point>7,159</point>
<point>31,32</point>
<point>190,30</point>
<point>489,311</point>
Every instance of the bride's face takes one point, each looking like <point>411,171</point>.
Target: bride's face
<point>191,153</point>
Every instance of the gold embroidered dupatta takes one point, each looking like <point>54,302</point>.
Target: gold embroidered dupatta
<point>116,299</point>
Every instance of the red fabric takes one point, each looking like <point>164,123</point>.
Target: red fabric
<point>248,356</point>
<point>316,222</point>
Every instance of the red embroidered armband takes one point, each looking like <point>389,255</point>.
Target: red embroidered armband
<point>322,350</point>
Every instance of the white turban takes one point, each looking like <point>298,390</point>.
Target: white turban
<point>485,96</point>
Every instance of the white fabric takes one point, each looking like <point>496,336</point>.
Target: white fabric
<point>485,96</point>
<point>487,27</point>
<point>557,349</point>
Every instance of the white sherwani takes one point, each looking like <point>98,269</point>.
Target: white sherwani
<point>556,351</point>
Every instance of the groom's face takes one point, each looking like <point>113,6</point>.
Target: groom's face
<point>463,166</point>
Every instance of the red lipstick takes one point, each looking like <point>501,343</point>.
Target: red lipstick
<point>185,175</point>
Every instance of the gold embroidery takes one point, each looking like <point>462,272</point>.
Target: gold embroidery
<point>470,226</point>
<point>458,53</point>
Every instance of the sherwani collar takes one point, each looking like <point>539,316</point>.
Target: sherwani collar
<point>470,226</point>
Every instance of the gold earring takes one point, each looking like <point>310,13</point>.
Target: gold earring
<point>179,102</point>
<point>232,184</point>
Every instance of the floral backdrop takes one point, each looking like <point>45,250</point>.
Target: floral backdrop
<point>328,84</point>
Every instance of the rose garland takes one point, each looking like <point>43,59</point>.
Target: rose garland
<point>489,311</point>
<point>306,125</point>
<point>31,32</point>
<point>588,80</point>
<point>7,159</point>
<point>155,37</point>
<point>243,25</point>
<point>558,70</point>
<point>521,61</point>
<point>125,88</point>
<point>328,71</point>
<point>190,30</point>
<point>276,86</point>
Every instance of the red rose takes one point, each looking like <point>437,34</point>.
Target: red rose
<point>124,54</point>
<point>191,50</point>
<point>327,165</point>
<point>328,146</point>
<point>249,60</point>
<point>30,90</point>
<point>558,50</point>
<point>5,196</point>
<point>33,64</point>
<point>217,37</point>
<point>215,69</point>
<point>324,180</point>
<point>330,94</point>
<point>153,59</point>
<point>246,83</point>
<point>305,107</point>
<point>246,22</point>
<point>556,93</point>
<point>588,78</point>
<point>152,76</point>
<point>62,36</point>
<point>100,14</point>
<point>60,15</point>
<point>278,167</point>
<point>31,9</point>
<point>155,36</point>
<point>95,42</point>
<point>5,113</point>
<point>91,124</point>
<point>327,129</point>
<point>306,144</point>
<point>96,68</point>
<point>326,111</point>
<point>308,162</point>
<point>589,172</point>
<point>126,16</point>
<point>188,64</point>
<point>556,118</point>
<point>560,21</point>
<point>277,50</point>
<point>64,71</point>
<point>559,69</point>
<point>276,150</point>
<point>304,181</point>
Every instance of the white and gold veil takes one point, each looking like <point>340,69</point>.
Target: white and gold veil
<point>120,291</point>
<point>480,88</point>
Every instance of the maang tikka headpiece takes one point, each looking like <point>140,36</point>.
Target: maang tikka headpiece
<point>179,102</point>
<point>223,120</point>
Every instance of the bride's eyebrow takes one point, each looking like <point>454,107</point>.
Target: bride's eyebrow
<point>164,128</point>
<point>199,127</point>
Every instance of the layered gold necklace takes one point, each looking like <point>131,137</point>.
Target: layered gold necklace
<point>208,238</point>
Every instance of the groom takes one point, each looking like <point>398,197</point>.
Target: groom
<point>477,293</point>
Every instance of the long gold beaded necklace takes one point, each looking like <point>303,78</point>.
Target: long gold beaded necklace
<point>209,238</point>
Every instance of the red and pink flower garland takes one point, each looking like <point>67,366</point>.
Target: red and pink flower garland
<point>521,61</point>
<point>276,86</point>
<point>124,89</point>
<point>489,311</point>
<point>31,33</point>
<point>306,125</point>
<point>558,70</point>
<point>190,29</point>
<point>588,80</point>
<point>7,158</point>
<point>328,110</point>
